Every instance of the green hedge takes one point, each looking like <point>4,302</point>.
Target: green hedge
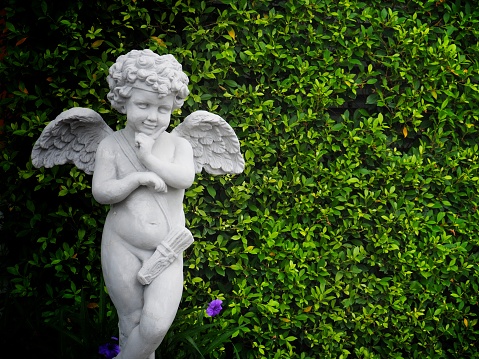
<point>353,231</point>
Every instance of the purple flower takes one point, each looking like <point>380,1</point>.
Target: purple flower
<point>214,308</point>
<point>109,350</point>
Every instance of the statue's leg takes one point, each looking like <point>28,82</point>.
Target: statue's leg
<point>120,268</point>
<point>161,300</point>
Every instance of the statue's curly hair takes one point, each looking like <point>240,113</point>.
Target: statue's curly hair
<point>162,73</point>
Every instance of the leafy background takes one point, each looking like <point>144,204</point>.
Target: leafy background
<point>351,233</point>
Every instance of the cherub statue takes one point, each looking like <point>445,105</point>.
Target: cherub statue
<point>142,172</point>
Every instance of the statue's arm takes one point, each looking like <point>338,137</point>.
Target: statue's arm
<point>107,188</point>
<point>180,173</point>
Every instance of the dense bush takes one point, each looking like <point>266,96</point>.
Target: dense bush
<point>351,233</point>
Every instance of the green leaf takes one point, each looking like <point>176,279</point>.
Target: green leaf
<point>211,191</point>
<point>337,127</point>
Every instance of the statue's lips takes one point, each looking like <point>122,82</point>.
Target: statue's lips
<point>149,126</point>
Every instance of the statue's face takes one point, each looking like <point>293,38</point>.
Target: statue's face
<point>148,114</point>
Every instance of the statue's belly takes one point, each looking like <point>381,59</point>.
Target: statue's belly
<point>139,219</point>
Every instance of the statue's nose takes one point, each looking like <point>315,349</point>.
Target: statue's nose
<point>152,117</point>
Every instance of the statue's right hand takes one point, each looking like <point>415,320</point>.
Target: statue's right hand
<point>152,180</point>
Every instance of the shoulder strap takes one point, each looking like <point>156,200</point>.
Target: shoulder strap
<point>127,150</point>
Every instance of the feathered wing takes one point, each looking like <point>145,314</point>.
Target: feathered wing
<point>72,137</point>
<point>215,145</point>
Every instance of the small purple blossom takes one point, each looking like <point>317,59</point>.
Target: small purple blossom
<point>109,350</point>
<point>214,308</point>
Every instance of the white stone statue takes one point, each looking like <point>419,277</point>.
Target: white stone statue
<point>142,172</point>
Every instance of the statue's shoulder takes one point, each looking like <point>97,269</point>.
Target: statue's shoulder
<point>176,139</point>
<point>110,142</point>
<point>114,136</point>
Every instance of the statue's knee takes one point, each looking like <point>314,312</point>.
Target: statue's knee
<point>153,330</point>
<point>128,322</point>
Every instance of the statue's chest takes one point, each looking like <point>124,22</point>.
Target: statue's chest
<point>125,166</point>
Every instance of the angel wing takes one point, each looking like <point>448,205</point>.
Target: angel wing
<point>215,145</point>
<point>72,137</point>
